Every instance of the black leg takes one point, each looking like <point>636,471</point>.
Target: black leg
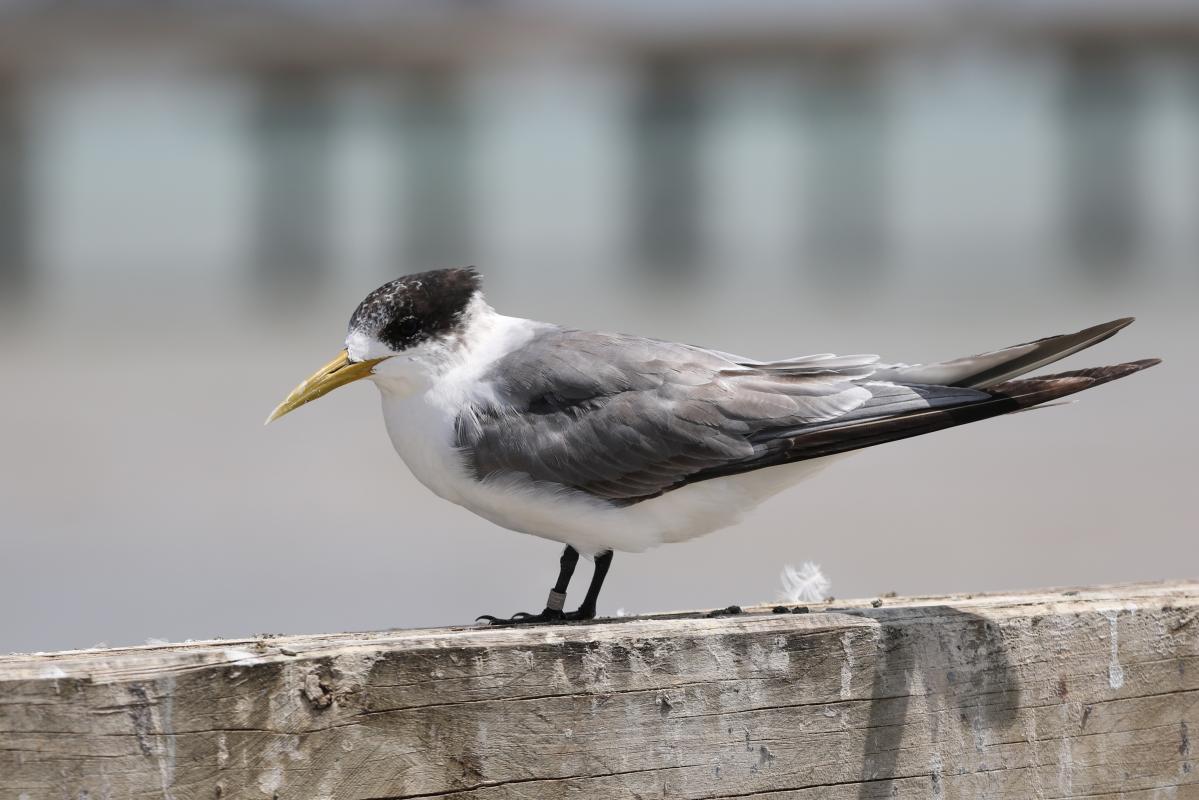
<point>566,569</point>
<point>602,562</point>
<point>553,611</point>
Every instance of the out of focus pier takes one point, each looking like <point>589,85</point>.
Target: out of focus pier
<point>322,140</point>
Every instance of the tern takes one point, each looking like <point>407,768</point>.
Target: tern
<point>605,441</point>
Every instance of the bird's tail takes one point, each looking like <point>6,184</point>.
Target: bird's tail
<point>1006,397</point>
<point>953,392</point>
<point>990,370</point>
<point>1039,389</point>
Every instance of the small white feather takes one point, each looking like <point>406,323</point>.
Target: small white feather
<point>804,585</point>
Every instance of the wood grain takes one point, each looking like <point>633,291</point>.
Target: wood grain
<point>1092,693</point>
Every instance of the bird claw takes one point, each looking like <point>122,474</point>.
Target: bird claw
<point>549,615</point>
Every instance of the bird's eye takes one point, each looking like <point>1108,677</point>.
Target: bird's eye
<point>402,331</point>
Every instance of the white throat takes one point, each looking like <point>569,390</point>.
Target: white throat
<point>426,389</point>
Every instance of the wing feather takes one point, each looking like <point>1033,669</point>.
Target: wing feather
<point>626,419</point>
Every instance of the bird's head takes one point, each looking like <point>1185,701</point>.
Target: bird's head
<point>410,319</point>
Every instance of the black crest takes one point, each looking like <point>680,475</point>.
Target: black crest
<point>415,308</point>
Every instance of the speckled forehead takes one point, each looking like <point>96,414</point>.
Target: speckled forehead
<point>381,305</point>
<point>415,307</point>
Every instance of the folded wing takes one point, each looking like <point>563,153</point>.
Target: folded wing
<point>625,419</point>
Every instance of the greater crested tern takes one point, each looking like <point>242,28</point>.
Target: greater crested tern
<point>604,441</point>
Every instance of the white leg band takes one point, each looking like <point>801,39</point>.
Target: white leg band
<point>556,601</point>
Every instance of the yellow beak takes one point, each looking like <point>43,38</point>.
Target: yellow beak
<point>337,372</point>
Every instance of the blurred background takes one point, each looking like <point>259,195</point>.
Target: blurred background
<point>195,195</point>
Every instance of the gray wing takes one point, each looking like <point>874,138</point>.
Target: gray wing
<point>625,418</point>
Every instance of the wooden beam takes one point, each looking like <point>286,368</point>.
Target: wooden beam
<point>1089,693</point>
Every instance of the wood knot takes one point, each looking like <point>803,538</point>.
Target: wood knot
<point>317,692</point>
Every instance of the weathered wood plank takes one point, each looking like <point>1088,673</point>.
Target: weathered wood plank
<point>1093,693</point>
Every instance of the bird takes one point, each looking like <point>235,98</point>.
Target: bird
<point>608,441</point>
